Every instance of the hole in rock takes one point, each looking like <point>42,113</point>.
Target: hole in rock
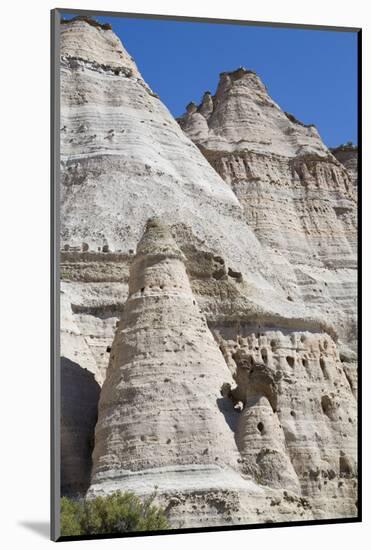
<point>322,364</point>
<point>290,360</point>
<point>142,289</point>
<point>345,466</point>
<point>260,427</point>
<point>326,404</point>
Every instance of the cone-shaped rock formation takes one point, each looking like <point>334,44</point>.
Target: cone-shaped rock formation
<point>159,403</point>
<point>299,200</point>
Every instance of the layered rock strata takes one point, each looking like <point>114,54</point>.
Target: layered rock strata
<point>297,389</point>
<point>163,422</point>
<point>158,405</point>
<point>297,197</point>
<point>347,154</point>
<point>268,246</point>
<point>172,415</point>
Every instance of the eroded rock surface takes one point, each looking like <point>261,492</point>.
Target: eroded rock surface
<point>298,424</point>
<point>159,402</point>
<point>347,154</point>
<point>263,241</point>
<point>163,420</point>
<point>297,197</point>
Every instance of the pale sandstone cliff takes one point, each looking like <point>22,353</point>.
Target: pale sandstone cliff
<point>279,421</point>
<point>297,197</point>
<point>347,154</point>
<point>125,159</point>
<point>163,421</point>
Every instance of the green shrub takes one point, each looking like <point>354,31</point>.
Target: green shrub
<point>115,513</point>
<point>70,517</point>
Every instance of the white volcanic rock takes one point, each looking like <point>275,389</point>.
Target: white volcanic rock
<point>297,197</point>
<point>242,116</point>
<point>113,126</point>
<point>299,417</point>
<point>100,46</point>
<point>348,156</point>
<point>124,159</point>
<point>162,419</point>
<point>269,249</point>
<point>159,402</point>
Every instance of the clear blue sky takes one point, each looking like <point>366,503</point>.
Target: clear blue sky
<point>310,73</point>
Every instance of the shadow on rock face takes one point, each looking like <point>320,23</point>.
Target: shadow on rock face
<point>79,410</point>
<point>231,416</point>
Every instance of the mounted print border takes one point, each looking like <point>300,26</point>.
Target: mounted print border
<point>205,296</point>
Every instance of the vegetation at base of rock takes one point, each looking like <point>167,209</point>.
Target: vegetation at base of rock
<point>116,513</point>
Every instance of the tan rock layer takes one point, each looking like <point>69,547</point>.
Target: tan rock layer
<point>348,156</point>
<point>159,402</point>
<point>163,420</point>
<point>297,197</point>
<point>298,423</point>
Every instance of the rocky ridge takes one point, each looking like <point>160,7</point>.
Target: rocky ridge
<point>123,160</point>
<point>297,197</point>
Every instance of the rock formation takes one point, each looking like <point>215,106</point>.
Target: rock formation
<point>347,154</point>
<point>159,403</point>
<point>163,421</point>
<point>295,388</point>
<point>173,415</point>
<point>298,199</point>
<point>233,387</point>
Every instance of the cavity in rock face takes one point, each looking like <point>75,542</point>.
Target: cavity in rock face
<point>80,394</point>
<point>261,442</point>
<point>297,428</point>
<point>159,403</point>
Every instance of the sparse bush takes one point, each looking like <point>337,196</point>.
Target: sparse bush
<point>70,517</point>
<point>115,513</point>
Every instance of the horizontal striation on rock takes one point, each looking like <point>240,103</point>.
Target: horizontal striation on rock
<point>125,159</point>
<point>206,393</point>
<point>297,197</point>
<point>348,156</point>
<point>298,419</point>
<point>164,420</point>
<point>159,402</point>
